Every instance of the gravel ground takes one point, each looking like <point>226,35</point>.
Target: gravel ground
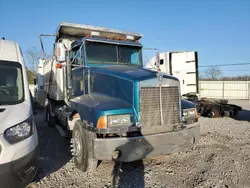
<point>221,159</point>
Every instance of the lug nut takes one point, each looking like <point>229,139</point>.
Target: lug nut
<point>73,152</point>
<point>116,154</point>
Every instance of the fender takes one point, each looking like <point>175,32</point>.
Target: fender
<point>92,106</point>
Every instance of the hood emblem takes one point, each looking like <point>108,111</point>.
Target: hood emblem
<point>159,76</point>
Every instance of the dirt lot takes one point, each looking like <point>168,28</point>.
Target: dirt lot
<point>221,159</point>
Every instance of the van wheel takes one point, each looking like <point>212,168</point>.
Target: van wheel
<point>82,148</point>
<point>50,120</point>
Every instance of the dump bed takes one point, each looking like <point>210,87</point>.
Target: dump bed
<point>53,80</point>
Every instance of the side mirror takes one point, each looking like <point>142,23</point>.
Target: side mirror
<point>34,81</point>
<point>60,52</point>
<point>157,56</point>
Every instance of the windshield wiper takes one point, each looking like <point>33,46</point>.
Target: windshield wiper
<point>1,104</point>
<point>128,63</point>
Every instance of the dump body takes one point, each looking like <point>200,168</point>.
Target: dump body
<point>53,79</point>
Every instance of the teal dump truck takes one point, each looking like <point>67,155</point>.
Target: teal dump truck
<point>97,91</point>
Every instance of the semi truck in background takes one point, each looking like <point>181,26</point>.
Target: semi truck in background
<point>97,92</point>
<point>182,65</point>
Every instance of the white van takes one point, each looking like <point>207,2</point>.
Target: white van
<point>19,149</point>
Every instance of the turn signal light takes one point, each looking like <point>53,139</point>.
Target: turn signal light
<point>102,122</point>
<point>58,65</point>
<point>122,38</point>
<point>196,114</point>
<point>59,52</point>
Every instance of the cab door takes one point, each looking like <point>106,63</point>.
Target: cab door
<point>77,71</point>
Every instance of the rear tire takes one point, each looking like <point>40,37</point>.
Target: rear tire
<point>50,120</point>
<point>234,113</point>
<point>214,113</point>
<point>82,148</point>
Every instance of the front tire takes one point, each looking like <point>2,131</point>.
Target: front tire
<point>82,148</point>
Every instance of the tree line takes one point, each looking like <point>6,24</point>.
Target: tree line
<point>32,61</point>
<point>215,74</point>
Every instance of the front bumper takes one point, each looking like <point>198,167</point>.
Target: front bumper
<point>136,148</point>
<point>20,172</point>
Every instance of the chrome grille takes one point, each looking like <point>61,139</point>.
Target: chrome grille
<point>150,111</point>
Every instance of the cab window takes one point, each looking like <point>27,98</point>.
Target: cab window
<point>76,55</point>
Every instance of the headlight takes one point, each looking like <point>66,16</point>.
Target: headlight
<point>119,120</point>
<point>185,113</point>
<point>189,112</point>
<point>19,132</point>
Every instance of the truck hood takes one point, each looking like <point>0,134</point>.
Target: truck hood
<point>134,73</point>
<point>185,104</point>
<point>92,106</point>
<point>11,115</point>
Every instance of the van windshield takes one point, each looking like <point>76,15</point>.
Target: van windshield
<point>11,83</point>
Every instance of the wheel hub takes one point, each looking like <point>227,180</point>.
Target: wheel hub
<point>76,146</point>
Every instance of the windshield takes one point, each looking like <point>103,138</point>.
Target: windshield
<point>104,53</point>
<point>11,83</point>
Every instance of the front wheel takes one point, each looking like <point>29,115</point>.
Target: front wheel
<point>82,148</point>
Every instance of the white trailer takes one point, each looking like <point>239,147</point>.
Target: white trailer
<point>39,93</point>
<point>183,65</point>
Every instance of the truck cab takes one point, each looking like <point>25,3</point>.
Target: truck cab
<point>96,88</point>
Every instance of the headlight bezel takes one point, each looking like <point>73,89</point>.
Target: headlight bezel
<point>189,112</point>
<point>17,138</point>
<point>121,120</point>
